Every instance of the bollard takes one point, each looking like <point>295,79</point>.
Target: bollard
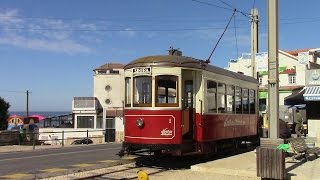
<point>87,136</point>
<point>62,138</point>
<point>34,140</point>
<point>142,175</point>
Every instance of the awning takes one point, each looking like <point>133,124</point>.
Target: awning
<point>295,98</point>
<point>312,93</point>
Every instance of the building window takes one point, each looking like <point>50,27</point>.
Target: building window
<point>110,123</point>
<point>99,122</point>
<point>108,101</point>
<point>260,80</point>
<point>108,88</point>
<point>85,121</point>
<point>292,78</point>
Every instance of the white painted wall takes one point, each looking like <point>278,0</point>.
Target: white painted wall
<point>243,64</point>
<point>116,94</point>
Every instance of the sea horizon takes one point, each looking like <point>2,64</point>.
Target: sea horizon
<point>42,113</point>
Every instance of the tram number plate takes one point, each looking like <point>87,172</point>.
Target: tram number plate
<point>142,70</point>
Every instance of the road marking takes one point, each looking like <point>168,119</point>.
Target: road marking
<point>83,165</point>
<point>108,161</point>
<point>37,156</point>
<point>51,170</point>
<point>15,176</point>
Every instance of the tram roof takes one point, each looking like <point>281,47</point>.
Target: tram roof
<point>183,61</point>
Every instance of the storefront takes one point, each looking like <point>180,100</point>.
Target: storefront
<point>312,100</point>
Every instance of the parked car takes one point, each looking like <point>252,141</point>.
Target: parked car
<point>82,141</point>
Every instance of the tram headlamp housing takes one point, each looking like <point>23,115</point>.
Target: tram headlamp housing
<point>139,122</point>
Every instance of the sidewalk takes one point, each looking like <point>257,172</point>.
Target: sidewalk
<point>17,148</point>
<point>238,167</point>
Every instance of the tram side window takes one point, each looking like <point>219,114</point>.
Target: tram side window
<point>128,92</point>
<point>238,101</point>
<point>142,91</point>
<point>252,102</point>
<point>245,101</point>
<point>221,98</point>
<point>166,91</point>
<point>230,99</point>
<point>211,96</point>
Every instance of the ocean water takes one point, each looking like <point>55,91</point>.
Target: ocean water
<point>42,113</point>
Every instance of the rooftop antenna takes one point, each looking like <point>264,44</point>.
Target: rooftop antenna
<point>172,50</point>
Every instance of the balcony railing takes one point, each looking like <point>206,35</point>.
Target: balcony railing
<point>85,103</point>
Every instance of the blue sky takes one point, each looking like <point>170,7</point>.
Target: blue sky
<point>51,47</point>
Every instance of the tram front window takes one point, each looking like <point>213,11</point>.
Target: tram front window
<point>166,91</point>
<point>142,91</point>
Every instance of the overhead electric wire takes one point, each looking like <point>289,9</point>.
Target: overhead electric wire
<point>212,5</point>
<point>124,19</point>
<point>226,4</point>
<point>113,30</point>
<point>254,4</point>
<point>225,29</point>
<point>12,91</point>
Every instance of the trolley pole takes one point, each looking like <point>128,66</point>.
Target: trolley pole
<point>273,69</point>
<point>254,40</point>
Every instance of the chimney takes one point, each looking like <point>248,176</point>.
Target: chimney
<point>175,52</point>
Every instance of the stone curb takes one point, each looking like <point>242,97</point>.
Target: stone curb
<point>84,172</point>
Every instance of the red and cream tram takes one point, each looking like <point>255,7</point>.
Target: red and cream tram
<point>181,106</point>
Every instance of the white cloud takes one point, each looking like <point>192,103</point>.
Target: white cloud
<point>64,46</point>
<point>52,35</point>
<point>10,17</point>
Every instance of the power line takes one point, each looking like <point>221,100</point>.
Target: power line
<point>212,5</point>
<point>111,30</point>
<point>127,19</point>
<point>253,4</point>
<point>12,91</point>
<point>226,4</point>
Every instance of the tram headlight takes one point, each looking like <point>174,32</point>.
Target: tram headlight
<point>139,122</point>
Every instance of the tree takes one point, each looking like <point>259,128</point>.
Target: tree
<point>4,113</point>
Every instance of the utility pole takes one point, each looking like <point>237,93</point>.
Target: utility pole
<point>27,103</point>
<point>273,69</point>
<point>254,40</point>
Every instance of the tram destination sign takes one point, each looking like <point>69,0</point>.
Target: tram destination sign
<point>142,70</point>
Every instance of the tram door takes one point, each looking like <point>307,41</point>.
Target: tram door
<point>188,110</point>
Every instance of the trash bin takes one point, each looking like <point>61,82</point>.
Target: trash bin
<point>271,163</point>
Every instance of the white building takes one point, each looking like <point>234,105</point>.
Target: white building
<point>104,110</point>
<point>291,73</point>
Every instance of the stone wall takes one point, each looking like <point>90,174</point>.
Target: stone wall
<point>119,136</point>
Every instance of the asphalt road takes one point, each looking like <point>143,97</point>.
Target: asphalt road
<point>32,162</point>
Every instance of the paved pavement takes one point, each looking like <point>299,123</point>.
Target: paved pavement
<point>241,166</point>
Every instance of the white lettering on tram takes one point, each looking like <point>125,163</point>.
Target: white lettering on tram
<point>166,132</point>
<point>234,122</point>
